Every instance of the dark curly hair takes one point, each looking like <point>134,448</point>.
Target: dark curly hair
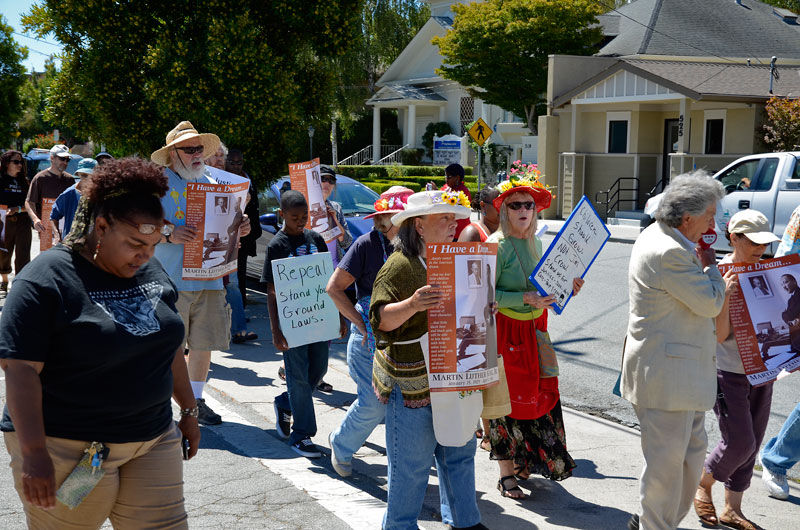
<point>127,186</point>
<point>5,160</point>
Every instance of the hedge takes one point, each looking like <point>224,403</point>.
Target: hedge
<point>389,172</point>
<point>379,186</point>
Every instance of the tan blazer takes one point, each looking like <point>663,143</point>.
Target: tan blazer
<point>669,361</point>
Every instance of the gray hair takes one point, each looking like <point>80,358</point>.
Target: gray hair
<point>224,149</point>
<point>408,240</point>
<point>383,223</point>
<point>691,193</point>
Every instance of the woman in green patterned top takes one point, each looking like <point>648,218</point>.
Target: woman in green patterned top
<point>531,439</point>
<point>398,315</point>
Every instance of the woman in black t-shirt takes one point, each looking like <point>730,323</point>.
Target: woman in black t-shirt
<point>17,234</point>
<point>90,342</point>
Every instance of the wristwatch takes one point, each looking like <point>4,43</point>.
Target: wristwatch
<point>193,412</point>
<point>166,238</point>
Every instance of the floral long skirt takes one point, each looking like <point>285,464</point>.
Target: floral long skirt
<point>539,445</point>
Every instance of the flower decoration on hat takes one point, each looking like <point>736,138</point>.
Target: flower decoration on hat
<point>456,198</point>
<point>527,178</point>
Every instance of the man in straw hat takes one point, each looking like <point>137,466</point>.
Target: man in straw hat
<point>201,303</point>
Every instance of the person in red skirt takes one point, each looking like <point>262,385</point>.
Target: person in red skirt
<point>531,439</point>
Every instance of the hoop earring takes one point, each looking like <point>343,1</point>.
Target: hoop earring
<point>96,249</point>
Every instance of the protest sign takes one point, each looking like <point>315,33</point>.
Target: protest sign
<point>765,316</point>
<point>215,210</point>
<point>462,339</point>
<point>46,237</point>
<point>306,312</point>
<point>305,178</point>
<point>570,254</point>
<point>3,213</point>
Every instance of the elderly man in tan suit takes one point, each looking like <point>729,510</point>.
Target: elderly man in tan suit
<point>668,369</point>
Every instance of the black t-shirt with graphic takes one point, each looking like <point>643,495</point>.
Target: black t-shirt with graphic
<point>107,344</point>
<point>283,245</point>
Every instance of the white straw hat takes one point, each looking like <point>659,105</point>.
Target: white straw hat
<point>184,131</point>
<point>431,202</point>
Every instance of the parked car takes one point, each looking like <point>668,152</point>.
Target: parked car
<point>39,159</point>
<point>767,182</point>
<point>356,199</point>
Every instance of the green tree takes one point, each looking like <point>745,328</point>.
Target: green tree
<point>256,73</point>
<point>33,94</point>
<point>387,26</point>
<point>793,5</point>
<point>782,130</point>
<point>498,49</point>
<point>12,76</point>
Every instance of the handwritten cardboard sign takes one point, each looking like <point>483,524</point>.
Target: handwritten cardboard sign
<point>570,254</point>
<point>462,339</point>
<point>46,238</point>
<point>765,316</point>
<point>307,314</point>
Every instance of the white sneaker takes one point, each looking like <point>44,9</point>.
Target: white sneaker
<point>343,469</point>
<point>776,485</point>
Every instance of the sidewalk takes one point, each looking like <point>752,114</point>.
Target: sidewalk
<point>601,495</point>
<point>619,233</point>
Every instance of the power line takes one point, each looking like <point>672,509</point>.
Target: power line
<point>37,40</point>
<point>654,30</point>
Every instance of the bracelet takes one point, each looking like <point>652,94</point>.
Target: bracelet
<point>193,412</point>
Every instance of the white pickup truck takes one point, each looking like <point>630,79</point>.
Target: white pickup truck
<point>767,182</point>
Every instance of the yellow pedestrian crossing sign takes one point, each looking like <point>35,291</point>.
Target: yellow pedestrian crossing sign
<point>480,131</point>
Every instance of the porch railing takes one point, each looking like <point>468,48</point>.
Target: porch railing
<point>393,157</point>
<point>360,158</point>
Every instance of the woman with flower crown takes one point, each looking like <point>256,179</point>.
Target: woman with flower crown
<point>531,439</point>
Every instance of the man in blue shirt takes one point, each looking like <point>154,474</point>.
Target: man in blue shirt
<point>67,203</point>
<point>201,303</point>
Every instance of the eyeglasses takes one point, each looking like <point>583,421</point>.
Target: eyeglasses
<point>149,228</point>
<point>191,150</point>
<point>18,162</point>
<point>528,205</point>
<point>328,179</point>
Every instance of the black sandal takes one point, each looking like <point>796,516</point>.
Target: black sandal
<point>325,387</point>
<point>521,473</point>
<point>506,492</point>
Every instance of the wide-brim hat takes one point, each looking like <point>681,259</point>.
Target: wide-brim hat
<point>431,203</point>
<point>754,225</point>
<point>541,196</point>
<point>185,131</point>
<point>391,201</point>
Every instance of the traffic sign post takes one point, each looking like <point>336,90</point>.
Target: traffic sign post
<point>480,132</point>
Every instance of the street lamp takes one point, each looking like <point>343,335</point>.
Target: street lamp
<point>310,142</point>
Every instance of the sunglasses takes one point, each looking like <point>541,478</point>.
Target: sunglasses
<point>191,150</point>
<point>528,205</point>
<point>18,162</point>
<point>149,228</point>
<point>328,179</point>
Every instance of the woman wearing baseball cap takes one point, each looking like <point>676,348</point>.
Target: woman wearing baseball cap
<point>743,409</point>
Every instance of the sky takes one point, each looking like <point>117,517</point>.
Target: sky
<point>38,51</point>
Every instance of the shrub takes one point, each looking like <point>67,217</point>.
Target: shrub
<point>440,128</point>
<point>412,156</point>
<point>365,172</point>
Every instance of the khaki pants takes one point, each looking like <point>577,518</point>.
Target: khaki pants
<point>674,446</point>
<point>206,317</point>
<point>142,487</point>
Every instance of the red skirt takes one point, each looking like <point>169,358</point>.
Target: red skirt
<point>531,396</point>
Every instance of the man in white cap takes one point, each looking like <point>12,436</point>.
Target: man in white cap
<point>201,303</point>
<point>48,184</point>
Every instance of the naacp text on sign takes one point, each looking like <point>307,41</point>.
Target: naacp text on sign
<point>570,254</point>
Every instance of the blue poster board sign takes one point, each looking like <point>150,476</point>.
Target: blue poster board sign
<point>570,254</point>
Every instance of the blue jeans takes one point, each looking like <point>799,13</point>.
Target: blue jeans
<point>234,298</point>
<point>305,366</point>
<point>411,448</point>
<point>367,411</point>
<point>783,451</point>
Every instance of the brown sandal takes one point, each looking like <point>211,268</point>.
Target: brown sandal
<point>486,444</point>
<point>507,492</point>
<point>706,512</point>
<point>734,521</point>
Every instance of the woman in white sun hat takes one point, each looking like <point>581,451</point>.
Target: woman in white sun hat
<point>398,314</point>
